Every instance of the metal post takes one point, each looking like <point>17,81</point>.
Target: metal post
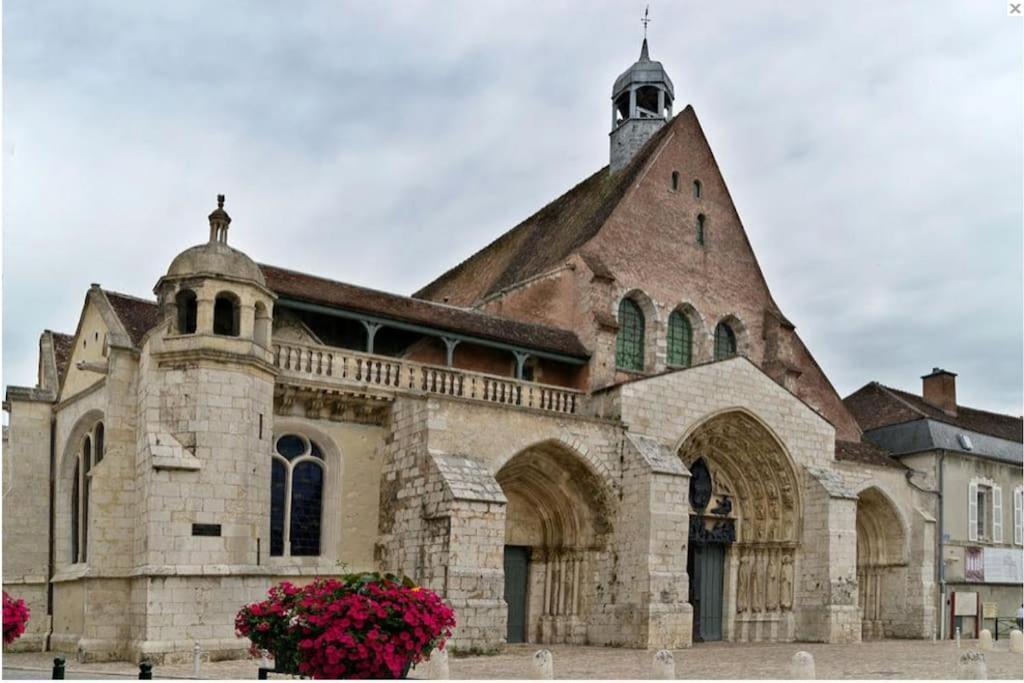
<point>145,671</point>
<point>58,668</point>
<point>449,348</point>
<point>262,673</point>
<point>371,332</point>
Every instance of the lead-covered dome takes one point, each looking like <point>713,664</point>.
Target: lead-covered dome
<point>216,258</point>
<point>643,72</point>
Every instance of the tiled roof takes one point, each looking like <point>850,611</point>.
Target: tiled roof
<point>876,405</point>
<point>312,289</point>
<point>545,239</point>
<point>138,316</point>
<point>866,453</point>
<point>62,346</point>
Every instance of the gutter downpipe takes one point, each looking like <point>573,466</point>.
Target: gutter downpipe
<point>53,516</point>
<point>940,565</point>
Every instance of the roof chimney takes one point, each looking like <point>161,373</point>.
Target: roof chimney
<point>939,390</point>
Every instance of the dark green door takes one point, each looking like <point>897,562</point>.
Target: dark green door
<point>517,570</point>
<point>706,565</point>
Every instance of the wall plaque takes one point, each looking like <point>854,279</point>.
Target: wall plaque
<point>206,529</point>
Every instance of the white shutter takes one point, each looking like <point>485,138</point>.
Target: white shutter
<point>1018,516</point>
<point>972,511</point>
<point>997,514</point>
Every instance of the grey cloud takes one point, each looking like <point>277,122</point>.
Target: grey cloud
<point>873,150</point>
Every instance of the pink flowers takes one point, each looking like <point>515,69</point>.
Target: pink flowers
<point>15,617</point>
<point>363,626</point>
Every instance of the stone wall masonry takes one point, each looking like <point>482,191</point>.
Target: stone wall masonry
<point>908,596</point>
<point>26,531</point>
<point>667,407</point>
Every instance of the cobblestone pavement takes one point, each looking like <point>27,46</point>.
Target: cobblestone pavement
<point>878,660</point>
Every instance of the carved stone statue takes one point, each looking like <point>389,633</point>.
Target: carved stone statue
<point>772,598</point>
<point>786,582</point>
<point>743,583</point>
<point>757,579</point>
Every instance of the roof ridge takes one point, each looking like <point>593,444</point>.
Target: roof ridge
<point>959,406</point>
<point>108,292</point>
<point>427,302</point>
<point>595,214</point>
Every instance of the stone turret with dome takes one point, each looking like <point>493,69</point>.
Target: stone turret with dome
<point>212,289</point>
<point>642,100</point>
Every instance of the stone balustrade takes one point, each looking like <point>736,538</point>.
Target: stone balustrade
<point>346,367</point>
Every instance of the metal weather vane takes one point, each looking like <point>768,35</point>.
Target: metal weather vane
<point>646,20</point>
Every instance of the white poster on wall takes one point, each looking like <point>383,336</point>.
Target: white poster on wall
<point>1003,565</point>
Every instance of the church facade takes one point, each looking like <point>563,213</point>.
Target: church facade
<point>599,429</point>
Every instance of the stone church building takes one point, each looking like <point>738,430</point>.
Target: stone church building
<point>599,429</point>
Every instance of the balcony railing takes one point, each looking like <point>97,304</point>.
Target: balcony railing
<point>343,366</point>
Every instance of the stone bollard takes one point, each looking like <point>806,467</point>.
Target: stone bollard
<point>197,658</point>
<point>985,639</point>
<point>958,637</point>
<point>542,666</point>
<point>664,666</point>
<point>1016,641</point>
<point>801,667</point>
<point>265,660</point>
<point>437,666</point>
<point>970,666</point>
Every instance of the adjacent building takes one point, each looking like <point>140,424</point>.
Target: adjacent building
<point>970,461</point>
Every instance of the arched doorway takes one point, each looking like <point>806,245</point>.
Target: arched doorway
<point>556,522</point>
<point>880,543</point>
<point>744,518</point>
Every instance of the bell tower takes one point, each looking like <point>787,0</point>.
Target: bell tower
<point>641,104</point>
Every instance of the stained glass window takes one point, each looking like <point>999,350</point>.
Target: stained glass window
<point>629,347</point>
<point>725,342</point>
<point>296,497</point>
<point>86,480</point>
<point>307,493</point>
<point>680,340</point>
<point>278,479</point>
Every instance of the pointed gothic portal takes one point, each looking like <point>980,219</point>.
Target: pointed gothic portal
<point>744,521</point>
<point>556,526</point>
<point>881,561</point>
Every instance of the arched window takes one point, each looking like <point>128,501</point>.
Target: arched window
<point>185,300</point>
<point>629,347</point>
<point>696,189</point>
<point>700,229</point>
<point>99,442</point>
<point>675,181</point>
<point>88,456</point>
<point>296,496</point>
<point>680,341</point>
<point>725,342</point>
<point>226,315</point>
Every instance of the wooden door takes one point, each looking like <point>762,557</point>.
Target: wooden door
<point>517,572</point>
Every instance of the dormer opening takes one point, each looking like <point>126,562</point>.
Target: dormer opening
<point>185,301</point>
<point>226,315</point>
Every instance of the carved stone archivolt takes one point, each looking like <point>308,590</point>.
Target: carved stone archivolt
<point>754,487</point>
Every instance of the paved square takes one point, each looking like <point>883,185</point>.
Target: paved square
<point>899,659</point>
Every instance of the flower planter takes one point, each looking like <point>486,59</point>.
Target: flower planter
<point>362,626</point>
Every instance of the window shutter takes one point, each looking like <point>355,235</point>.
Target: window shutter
<point>1018,516</point>
<point>972,512</point>
<point>997,514</point>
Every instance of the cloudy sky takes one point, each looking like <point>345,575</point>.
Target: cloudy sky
<point>874,151</point>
